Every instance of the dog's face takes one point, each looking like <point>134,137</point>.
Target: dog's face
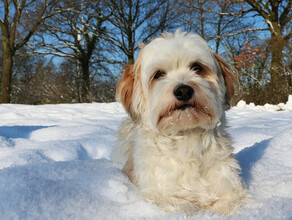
<point>176,84</point>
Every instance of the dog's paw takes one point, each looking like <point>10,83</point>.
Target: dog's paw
<point>229,204</point>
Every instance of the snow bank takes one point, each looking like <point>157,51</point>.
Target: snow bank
<point>267,107</point>
<point>54,164</point>
<point>70,190</point>
<point>267,171</point>
<point>289,103</point>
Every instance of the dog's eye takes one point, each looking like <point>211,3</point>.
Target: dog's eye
<point>196,67</point>
<point>158,74</point>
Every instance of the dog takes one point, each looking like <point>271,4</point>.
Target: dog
<point>174,146</point>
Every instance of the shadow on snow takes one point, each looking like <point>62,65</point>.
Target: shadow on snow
<point>249,156</point>
<point>19,131</point>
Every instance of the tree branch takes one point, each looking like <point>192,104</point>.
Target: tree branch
<point>34,27</point>
<point>240,32</point>
<point>257,7</point>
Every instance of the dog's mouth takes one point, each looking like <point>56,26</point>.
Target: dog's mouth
<point>184,107</point>
<point>184,116</point>
<point>179,110</point>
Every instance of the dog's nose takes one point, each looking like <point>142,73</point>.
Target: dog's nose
<point>183,93</point>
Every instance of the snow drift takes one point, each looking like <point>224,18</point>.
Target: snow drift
<point>54,164</point>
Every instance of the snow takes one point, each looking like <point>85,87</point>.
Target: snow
<point>55,163</point>
<point>267,107</point>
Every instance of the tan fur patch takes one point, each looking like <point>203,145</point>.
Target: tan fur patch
<point>228,78</point>
<point>124,88</point>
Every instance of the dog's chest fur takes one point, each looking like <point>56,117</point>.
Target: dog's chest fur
<point>188,165</point>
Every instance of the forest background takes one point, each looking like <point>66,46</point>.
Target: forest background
<point>71,51</point>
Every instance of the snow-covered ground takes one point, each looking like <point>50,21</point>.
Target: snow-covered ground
<point>54,163</point>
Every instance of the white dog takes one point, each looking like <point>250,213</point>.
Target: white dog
<point>174,147</point>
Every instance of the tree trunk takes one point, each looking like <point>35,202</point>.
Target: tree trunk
<point>218,40</point>
<point>278,85</point>
<point>130,58</point>
<point>277,45</point>
<point>202,20</point>
<point>6,76</point>
<point>78,81</point>
<point>85,81</point>
<point>130,33</point>
<point>131,46</point>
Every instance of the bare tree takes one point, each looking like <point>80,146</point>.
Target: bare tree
<point>277,15</point>
<point>76,33</point>
<point>135,21</point>
<point>195,17</point>
<point>38,80</point>
<point>19,20</point>
<point>215,20</point>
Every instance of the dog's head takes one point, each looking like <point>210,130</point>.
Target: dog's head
<point>176,84</point>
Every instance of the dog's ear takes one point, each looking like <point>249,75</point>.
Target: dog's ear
<point>124,89</point>
<point>229,79</point>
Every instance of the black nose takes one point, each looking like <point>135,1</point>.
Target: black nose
<point>183,93</point>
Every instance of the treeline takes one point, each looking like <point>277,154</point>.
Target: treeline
<point>67,51</point>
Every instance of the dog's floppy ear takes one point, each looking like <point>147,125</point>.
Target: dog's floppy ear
<point>124,89</point>
<point>229,79</point>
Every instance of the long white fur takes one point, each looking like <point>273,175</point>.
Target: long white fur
<point>185,168</point>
